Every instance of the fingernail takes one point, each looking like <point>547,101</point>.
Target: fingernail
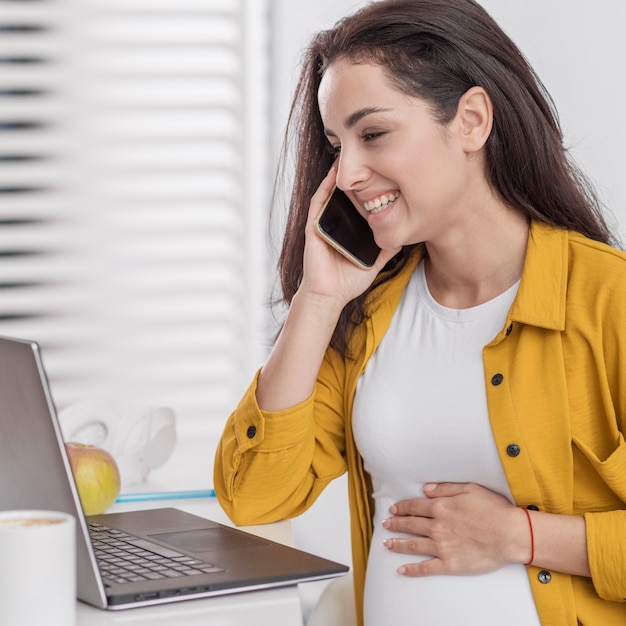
<point>393,509</point>
<point>401,569</point>
<point>386,523</point>
<point>388,543</point>
<point>429,486</point>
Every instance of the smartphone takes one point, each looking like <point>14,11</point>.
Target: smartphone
<point>347,231</point>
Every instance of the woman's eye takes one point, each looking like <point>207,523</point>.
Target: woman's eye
<point>373,135</point>
<point>334,150</point>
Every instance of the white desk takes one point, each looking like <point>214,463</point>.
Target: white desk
<point>275,607</point>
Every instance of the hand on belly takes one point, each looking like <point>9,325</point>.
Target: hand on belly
<point>464,528</point>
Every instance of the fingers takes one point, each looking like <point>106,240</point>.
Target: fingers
<point>322,194</point>
<point>410,545</point>
<point>413,523</point>
<point>418,546</point>
<point>429,567</point>
<point>417,506</point>
<point>419,531</point>
<point>446,490</point>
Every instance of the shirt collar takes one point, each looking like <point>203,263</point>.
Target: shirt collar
<point>541,297</point>
<point>540,300</point>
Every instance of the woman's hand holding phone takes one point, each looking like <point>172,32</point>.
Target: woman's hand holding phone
<point>327,272</point>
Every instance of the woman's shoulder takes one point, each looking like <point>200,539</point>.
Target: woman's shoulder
<point>595,259</point>
<point>584,246</point>
<point>596,274</point>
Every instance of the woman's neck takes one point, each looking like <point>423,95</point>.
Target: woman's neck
<point>487,263</point>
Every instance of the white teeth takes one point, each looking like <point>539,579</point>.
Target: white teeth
<point>377,205</point>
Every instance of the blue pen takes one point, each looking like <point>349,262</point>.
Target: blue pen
<point>165,495</point>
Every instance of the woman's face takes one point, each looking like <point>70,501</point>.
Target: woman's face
<point>405,172</point>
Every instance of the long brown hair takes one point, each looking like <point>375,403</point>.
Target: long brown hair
<point>436,50</point>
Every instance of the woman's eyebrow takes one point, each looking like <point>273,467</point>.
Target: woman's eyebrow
<point>355,117</point>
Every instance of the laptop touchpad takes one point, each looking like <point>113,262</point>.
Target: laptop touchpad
<point>210,540</point>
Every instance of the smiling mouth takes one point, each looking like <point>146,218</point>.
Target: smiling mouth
<point>380,204</point>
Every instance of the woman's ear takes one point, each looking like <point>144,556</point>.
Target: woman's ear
<point>475,117</point>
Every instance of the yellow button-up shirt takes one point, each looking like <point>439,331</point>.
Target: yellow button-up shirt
<point>555,378</point>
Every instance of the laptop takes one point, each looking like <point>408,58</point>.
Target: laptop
<point>174,555</point>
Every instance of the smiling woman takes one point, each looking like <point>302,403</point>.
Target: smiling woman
<point>477,480</point>
<point>399,147</point>
<point>470,381</point>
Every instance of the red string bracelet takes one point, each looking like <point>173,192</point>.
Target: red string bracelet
<point>532,539</point>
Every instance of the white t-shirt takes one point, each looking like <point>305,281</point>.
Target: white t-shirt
<point>420,415</point>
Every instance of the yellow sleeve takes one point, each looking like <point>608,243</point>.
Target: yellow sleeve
<point>273,465</point>
<point>606,548</point>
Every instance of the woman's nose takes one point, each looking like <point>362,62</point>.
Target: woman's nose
<point>352,171</point>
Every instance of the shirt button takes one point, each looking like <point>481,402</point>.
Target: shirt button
<point>509,330</point>
<point>532,507</point>
<point>251,432</point>
<point>544,576</point>
<point>497,379</point>
<point>513,449</point>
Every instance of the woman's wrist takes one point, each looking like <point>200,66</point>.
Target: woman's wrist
<point>549,540</point>
<point>532,538</point>
<point>326,307</point>
<point>521,539</point>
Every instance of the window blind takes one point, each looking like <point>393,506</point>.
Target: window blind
<point>133,192</point>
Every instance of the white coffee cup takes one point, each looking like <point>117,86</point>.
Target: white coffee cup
<point>37,568</point>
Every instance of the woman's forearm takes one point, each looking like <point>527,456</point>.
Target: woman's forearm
<point>288,377</point>
<point>560,543</point>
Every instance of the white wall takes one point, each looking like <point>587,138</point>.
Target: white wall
<point>578,50</point>
<point>576,47</point>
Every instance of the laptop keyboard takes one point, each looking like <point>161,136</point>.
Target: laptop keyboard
<point>123,558</point>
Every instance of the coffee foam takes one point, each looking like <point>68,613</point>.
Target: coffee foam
<point>30,521</point>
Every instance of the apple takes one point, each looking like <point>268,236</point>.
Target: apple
<point>96,474</point>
